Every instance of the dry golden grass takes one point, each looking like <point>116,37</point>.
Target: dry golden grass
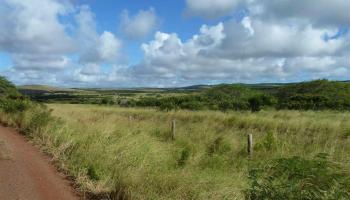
<point>130,152</point>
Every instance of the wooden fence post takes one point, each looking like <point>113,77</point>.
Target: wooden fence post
<point>173,131</point>
<point>250,145</point>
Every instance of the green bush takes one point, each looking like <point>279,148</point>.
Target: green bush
<point>107,101</point>
<point>315,95</point>
<point>7,89</point>
<point>184,156</point>
<point>39,120</point>
<point>298,178</point>
<point>13,106</point>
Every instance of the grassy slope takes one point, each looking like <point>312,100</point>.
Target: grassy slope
<point>43,88</point>
<point>109,150</point>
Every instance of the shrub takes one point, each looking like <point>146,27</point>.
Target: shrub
<point>40,119</point>
<point>255,104</point>
<point>184,156</point>
<point>13,106</point>
<point>298,178</point>
<point>315,95</point>
<point>107,101</point>
<point>7,89</point>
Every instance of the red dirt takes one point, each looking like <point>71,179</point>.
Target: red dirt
<point>26,173</point>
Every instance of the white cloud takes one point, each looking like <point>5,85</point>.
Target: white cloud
<point>35,39</point>
<point>40,62</point>
<point>210,8</point>
<point>316,12</point>
<point>140,25</point>
<point>95,48</point>
<point>109,46</point>
<point>90,69</point>
<point>276,40</point>
<point>273,40</point>
<point>41,47</point>
<point>247,51</point>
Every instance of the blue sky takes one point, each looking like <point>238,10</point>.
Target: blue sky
<point>154,43</point>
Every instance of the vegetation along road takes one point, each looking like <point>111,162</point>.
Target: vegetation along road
<point>25,173</point>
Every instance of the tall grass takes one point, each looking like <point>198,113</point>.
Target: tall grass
<point>129,153</point>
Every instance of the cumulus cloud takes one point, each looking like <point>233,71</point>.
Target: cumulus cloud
<point>41,46</point>
<point>36,40</point>
<point>272,40</point>
<point>104,48</point>
<point>265,39</point>
<point>317,12</point>
<point>140,25</point>
<point>211,9</point>
<point>246,51</point>
<point>90,69</point>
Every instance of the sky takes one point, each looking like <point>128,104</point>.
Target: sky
<point>173,43</point>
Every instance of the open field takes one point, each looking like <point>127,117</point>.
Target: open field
<point>130,150</point>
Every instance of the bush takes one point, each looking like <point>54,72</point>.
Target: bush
<point>7,89</point>
<point>255,104</point>
<point>298,178</point>
<point>107,101</point>
<point>40,119</point>
<point>13,106</point>
<point>315,95</point>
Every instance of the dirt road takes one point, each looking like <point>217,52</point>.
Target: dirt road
<point>26,174</point>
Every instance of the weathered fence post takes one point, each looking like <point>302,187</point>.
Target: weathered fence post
<point>173,131</point>
<point>250,145</point>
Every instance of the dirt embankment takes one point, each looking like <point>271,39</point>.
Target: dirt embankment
<point>26,173</point>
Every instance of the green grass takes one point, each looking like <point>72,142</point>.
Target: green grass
<point>129,152</point>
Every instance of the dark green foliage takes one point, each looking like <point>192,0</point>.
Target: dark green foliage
<point>39,120</point>
<point>189,102</point>
<point>255,104</point>
<point>14,105</point>
<point>222,97</point>
<point>107,101</point>
<point>11,101</point>
<point>315,95</point>
<point>184,156</point>
<point>91,172</point>
<point>298,178</point>
<point>229,97</point>
<point>7,89</point>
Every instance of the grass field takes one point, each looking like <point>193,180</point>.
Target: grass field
<point>130,151</point>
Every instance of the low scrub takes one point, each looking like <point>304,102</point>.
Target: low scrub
<point>299,178</point>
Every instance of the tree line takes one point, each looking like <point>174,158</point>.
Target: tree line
<point>314,95</point>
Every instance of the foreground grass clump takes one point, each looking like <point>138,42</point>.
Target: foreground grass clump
<point>129,153</point>
<point>298,178</point>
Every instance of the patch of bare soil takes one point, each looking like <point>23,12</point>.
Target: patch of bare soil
<point>26,173</point>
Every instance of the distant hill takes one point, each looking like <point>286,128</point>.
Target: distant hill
<point>43,87</point>
<point>40,89</point>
